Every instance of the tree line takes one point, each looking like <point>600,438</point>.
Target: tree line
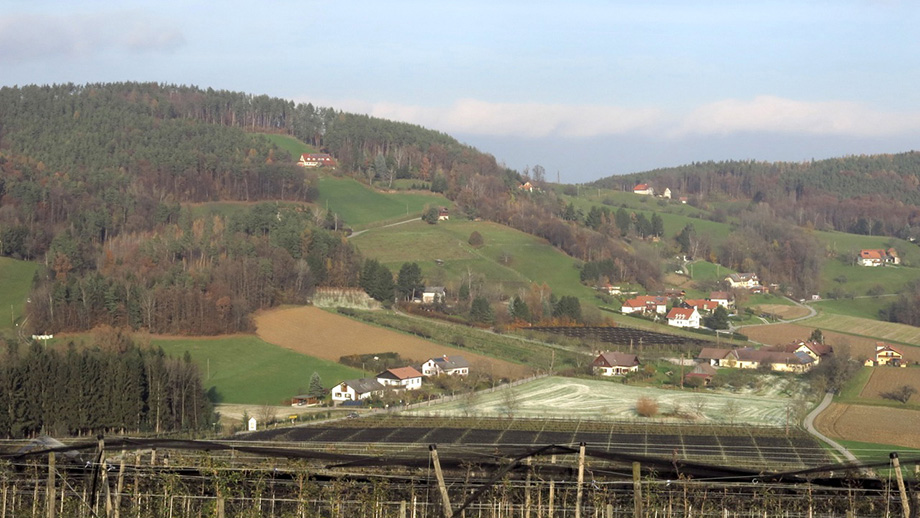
<point>122,389</point>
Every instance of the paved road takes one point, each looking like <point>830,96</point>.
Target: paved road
<point>809,424</point>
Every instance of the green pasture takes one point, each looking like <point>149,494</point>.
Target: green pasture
<point>290,144</point>
<point>244,369</point>
<point>886,331</point>
<point>360,206</point>
<point>849,393</point>
<point>856,280</point>
<point>508,257</point>
<point>15,284</point>
<point>706,272</point>
<point>878,453</point>
<point>848,245</point>
<point>863,307</point>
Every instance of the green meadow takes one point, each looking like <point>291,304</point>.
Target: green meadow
<point>290,144</point>
<point>360,206</point>
<point>15,283</point>
<point>508,257</point>
<point>244,369</point>
<point>865,307</point>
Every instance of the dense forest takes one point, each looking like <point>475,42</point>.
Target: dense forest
<point>869,195</point>
<point>116,387</point>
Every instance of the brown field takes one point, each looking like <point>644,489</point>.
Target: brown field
<point>783,311</point>
<point>874,424</point>
<point>314,332</point>
<point>887,379</point>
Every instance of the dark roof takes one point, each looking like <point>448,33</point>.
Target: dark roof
<point>364,385</point>
<point>712,353</point>
<point>447,363</point>
<point>611,359</point>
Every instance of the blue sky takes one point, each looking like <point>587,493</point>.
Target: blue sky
<point>586,89</point>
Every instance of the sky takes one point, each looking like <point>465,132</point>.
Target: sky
<point>586,89</point>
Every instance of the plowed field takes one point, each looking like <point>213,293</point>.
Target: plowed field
<point>314,332</point>
<point>887,379</point>
<point>783,311</point>
<point>871,424</point>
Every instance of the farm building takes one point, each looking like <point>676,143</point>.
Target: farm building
<point>356,390</point>
<point>723,298</point>
<point>684,317</point>
<point>407,378</point>
<point>316,160</point>
<point>433,295</point>
<point>878,257</point>
<point>703,372</point>
<point>701,305</point>
<point>443,214</point>
<point>815,350</point>
<point>645,304</point>
<point>615,364</point>
<point>449,365</point>
<point>304,400</point>
<point>749,358</point>
<point>644,189</point>
<point>887,354</point>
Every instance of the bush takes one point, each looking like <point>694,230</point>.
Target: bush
<point>647,407</point>
<point>475,239</point>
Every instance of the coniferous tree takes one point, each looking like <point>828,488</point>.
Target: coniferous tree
<point>409,281</point>
<point>316,386</point>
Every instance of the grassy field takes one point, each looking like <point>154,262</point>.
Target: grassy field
<point>863,307</point>
<point>848,245</point>
<point>290,144</point>
<point>886,331</point>
<point>15,283</point>
<point>361,206</point>
<point>859,280</point>
<point>246,369</point>
<point>570,398</point>
<point>508,258</point>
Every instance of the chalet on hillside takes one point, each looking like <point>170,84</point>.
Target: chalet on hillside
<point>443,214</point>
<point>701,305</point>
<point>743,280</point>
<point>878,257</point>
<point>815,350</point>
<point>316,160</point>
<point>645,304</point>
<point>723,298</point>
<point>615,364</point>
<point>433,295</point>
<point>887,354</point>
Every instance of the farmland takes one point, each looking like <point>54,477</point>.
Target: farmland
<point>886,331</point>
<point>15,283</point>
<point>593,399</point>
<point>884,380</point>
<point>360,206</point>
<point>313,332</point>
<point>871,424</point>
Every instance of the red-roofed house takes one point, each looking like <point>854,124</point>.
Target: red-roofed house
<point>722,298</point>
<point>878,257</point>
<point>316,160</point>
<point>684,317</point>
<point>408,378</point>
<point>886,354</point>
<point>701,305</point>
<point>615,364</point>
<point>644,189</point>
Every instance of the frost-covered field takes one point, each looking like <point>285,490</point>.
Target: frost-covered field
<point>568,398</point>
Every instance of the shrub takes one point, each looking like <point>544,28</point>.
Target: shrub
<point>475,239</point>
<point>647,406</point>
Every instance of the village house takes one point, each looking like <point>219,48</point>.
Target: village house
<point>443,214</point>
<point>433,295</point>
<point>815,350</point>
<point>674,293</point>
<point>684,317</point>
<point>448,365</point>
<point>316,160</point>
<point>615,364</point>
<point>645,304</point>
<point>878,257</point>
<point>644,189</point>
<point>666,193</point>
<point>743,280</point>
<point>401,378</point>
<point>356,390</point>
<point>886,354</point>
<point>610,289</point>
<point>723,298</point>
<point>749,358</point>
<point>526,186</point>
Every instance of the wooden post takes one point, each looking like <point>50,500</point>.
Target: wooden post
<point>581,479</point>
<point>120,485</point>
<point>552,491</point>
<point>445,498</point>
<point>637,489</point>
<point>402,509</point>
<point>49,495</point>
<point>527,489</point>
<point>905,505</point>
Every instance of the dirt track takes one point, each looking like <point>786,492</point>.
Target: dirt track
<point>314,332</point>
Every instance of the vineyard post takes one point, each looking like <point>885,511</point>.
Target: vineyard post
<point>527,489</point>
<point>445,498</point>
<point>49,495</point>
<point>637,488</point>
<point>552,489</point>
<point>581,479</point>
<point>905,506</point>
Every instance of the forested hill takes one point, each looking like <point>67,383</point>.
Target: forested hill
<point>878,195</point>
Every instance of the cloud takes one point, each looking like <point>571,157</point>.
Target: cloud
<point>763,114</point>
<point>28,37</point>
<point>786,116</point>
